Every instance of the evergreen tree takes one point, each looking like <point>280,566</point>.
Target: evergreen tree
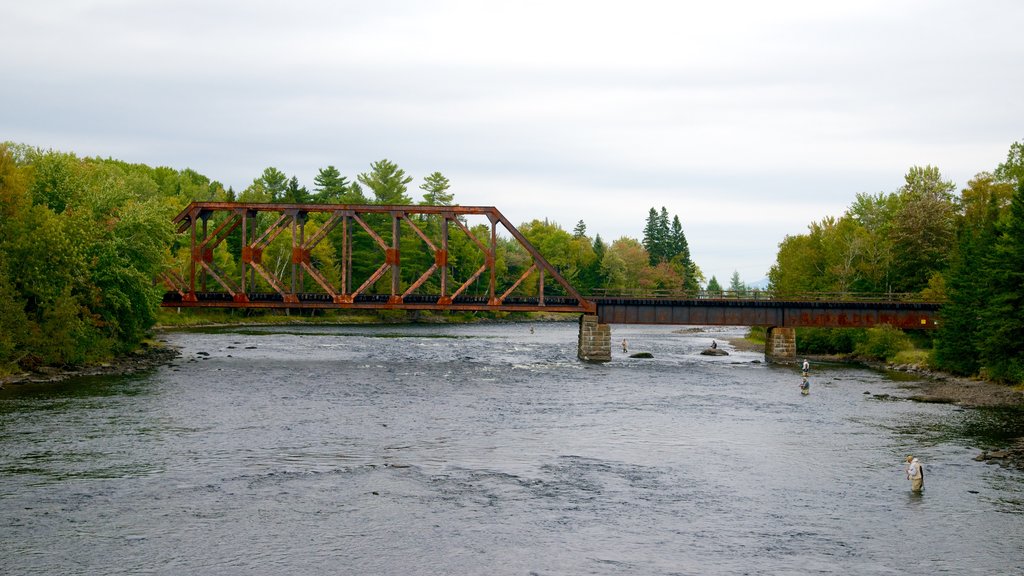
<point>329,185</point>
<point>388,183</point>
<point>957,344</point>
<point>295,194</point>
<point>1002,322</point>
<point>677,241</point>
<point>736,286</point>
<point>714,287</point>
<point>580,230</point>
<point>435,190</point>
<point>273,182</point>
<point>651,242</point>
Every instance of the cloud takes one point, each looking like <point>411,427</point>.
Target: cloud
<point>748,119</point>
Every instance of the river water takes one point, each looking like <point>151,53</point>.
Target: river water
<point>489,449</point>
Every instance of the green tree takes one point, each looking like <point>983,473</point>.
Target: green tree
<point>1002,322</point>
<point>296,194</point>
<point>274,184</point>
<point>330,186</point>
<point>436,190</point>
<point>1012,170</point>
<point>736,286</point>
<point>655,237</point>
<point>580,231</point>
<point>388,183</point>
<point>958,342</point>
<point>713,286</point>
<point>57,178</point>
<point>639,274</point>
<point>924,228</point>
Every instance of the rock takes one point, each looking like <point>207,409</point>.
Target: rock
<point>642,355</point>
<point>714,352</point>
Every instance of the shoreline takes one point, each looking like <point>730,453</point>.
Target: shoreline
<point>930,386</point>
<point>149,356</point>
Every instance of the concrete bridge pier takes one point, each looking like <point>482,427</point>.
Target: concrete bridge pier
<point>780,345</point>
<point>595,343</point>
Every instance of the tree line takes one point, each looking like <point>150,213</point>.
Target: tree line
<point>82,240</point>
<point>965,249</point>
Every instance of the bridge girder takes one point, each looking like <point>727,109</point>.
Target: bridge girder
<point>300,283</point>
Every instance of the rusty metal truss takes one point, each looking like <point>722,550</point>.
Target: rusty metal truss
<point>257,225</point>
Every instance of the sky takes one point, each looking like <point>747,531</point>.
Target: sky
<point>747,119</point>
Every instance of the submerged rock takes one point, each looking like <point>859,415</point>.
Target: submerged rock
<point>642,355</point>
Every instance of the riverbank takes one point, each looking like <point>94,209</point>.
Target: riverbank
<point>150,355</point>
<point>929,386</point>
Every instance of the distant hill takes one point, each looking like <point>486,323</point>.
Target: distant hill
<point>761,284</point>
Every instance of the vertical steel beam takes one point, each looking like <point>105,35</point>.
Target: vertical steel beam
<point>395,256</point>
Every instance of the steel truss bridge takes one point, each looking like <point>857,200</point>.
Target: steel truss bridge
<point>414,250</point>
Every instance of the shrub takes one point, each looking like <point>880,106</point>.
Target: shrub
<point>827,340</point>
<point>883,343</point>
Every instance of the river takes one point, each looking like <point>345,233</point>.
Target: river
<point>490,449</point>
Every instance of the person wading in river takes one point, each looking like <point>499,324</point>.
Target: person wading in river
<point>915,473</point>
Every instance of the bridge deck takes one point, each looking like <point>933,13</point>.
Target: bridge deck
<point>700,312</point>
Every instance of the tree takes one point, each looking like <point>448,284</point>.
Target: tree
<point>295,194</point>
<point>958,342</point>
<point>329,186</point>
<point>736,286</point>
<point>1012,170</point>
<point>713,286</point>
<point>923,230</point>
<point>654,238</point>
<point>1002,321</point>
<point>273,182</point>
<point>435,190</point>
<point>591,277</point>
<point>388,183</point>
<point>580,231</point>
<point>638,271</point>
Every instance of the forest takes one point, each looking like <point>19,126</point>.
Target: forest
<point>925,240</point>
<point>82,240</point>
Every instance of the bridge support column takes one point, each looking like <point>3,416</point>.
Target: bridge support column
<point>595,340</point>
<point>780,345</point>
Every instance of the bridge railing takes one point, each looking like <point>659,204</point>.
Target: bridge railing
<point>761,295</point>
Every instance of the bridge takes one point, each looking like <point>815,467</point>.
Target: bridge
<point>456,258</point>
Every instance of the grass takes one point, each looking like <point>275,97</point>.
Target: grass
<point>913,357</point>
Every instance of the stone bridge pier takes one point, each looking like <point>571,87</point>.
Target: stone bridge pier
<point>780,345</point>
<point>595,342</point>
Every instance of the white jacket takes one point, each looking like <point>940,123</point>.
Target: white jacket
<point>914,469</point>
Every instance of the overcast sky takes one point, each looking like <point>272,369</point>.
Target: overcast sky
<point>747,119</point>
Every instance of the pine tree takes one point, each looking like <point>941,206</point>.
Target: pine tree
<point>388,183</point>
<point>664,236</point>
<point>295,194</point>
<point>1002,321</point>
<point>677,241</point>
<point>435,190</point>
<point>330,186</point>
<point>714,287</point>
<point>651,242</point>
<point>580,230</point>
<point>957,343</point>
